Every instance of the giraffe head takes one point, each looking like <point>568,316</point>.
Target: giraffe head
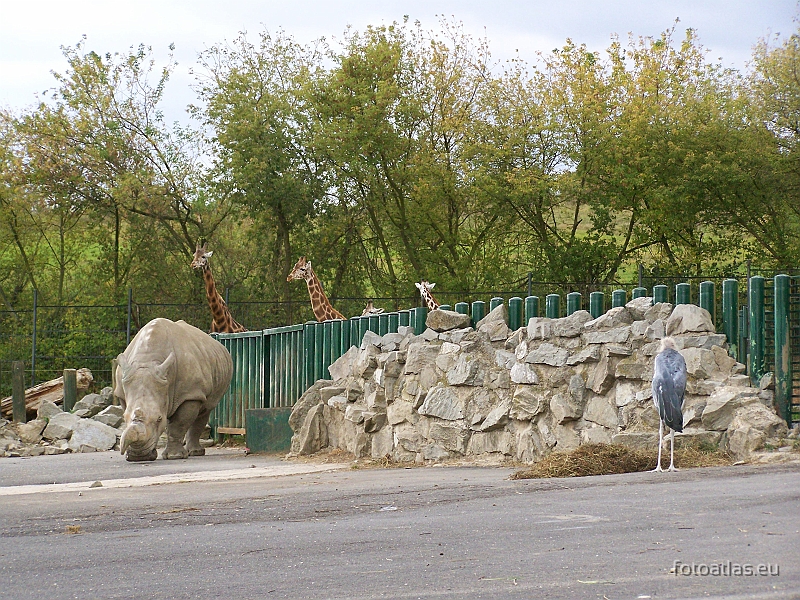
<point>425,291</point>
<point>371,310</point>
<point>201,256</point>
<point>302,270</point>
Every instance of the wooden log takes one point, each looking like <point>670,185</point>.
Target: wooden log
<point>52,391</point>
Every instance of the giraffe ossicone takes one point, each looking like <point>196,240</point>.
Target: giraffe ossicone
<point>323,310</point>
<point>222,320</point>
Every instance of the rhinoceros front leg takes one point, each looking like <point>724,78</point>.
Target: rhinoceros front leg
<point>195,431</point>
<point>177,427</point>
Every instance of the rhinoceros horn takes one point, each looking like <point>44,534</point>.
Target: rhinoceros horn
<point>133,433</point>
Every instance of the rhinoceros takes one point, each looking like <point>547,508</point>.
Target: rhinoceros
<point>171,376</point>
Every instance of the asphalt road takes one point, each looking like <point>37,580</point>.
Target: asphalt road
<point>432,532</point>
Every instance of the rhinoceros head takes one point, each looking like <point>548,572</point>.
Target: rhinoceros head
<point>146,392</point>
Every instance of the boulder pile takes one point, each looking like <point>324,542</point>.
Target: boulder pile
<point>490,392</point>
<point>93,425</point>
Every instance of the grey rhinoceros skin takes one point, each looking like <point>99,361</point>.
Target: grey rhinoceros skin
<point>171,376</point>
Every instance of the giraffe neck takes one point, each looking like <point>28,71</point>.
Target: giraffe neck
<point>323,311</point>
<point>430,301</point>
<point>222,322</point>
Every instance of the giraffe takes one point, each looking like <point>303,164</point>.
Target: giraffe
<point>323,310</point>
<point>425,291</point>
<point>371,310</point>
<point>222,321</point>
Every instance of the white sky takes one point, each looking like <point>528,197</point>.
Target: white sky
<point>32,31</point>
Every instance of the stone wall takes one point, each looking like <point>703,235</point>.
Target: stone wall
<point>457,392</point>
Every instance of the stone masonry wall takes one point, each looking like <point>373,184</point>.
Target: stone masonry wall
<point>455,391</point>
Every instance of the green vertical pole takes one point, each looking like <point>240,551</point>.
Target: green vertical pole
<point>383,324</point>
<point>327,330</point>
<point>683,294</point>
<point>478,311</point>
<point>130,316</point>
<point>730,315</point>
<point>494,303</point>
<point>363,327</point>
<point>783,352</point>
<point>708,299</point>
<point>639,292</point>
<point>18,410</point>
<point>462,308</point>
<point>597,304</point>
<point>618,298</point>
<point>405,318</point>
<point>373,324</point>
<point>531,307</point>
<point>346,335</point>
<point>743,331</point>
<point>70,389</point>
<point>573,302</point>
<point>756,353</point>
<point>660,294</point>
<point>319,361</point>
<point>445,307</point>
<point>394,322</point>
<point>514,313</point>
<point>420,314</point>
<point>336,339</point>
<point>552,310</point>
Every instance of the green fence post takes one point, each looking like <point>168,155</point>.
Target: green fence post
<point>70,389</point>
<point>319,361</point>
<point>336,339</point>
<point>363,327</point>
<point>420,314</point>
<point>683,294</point>
<point>394,322</point>
<point>327,348</point>
<point>405,318</point>
<point>478,311</point>
<point>597,304</point>
<point>573,302</point>
<point>708,299</point>
<point>743,341</point>
<point>660,294</point>
<point>346,336</point>
<point>354,325</point>
<point>531,308</point>
<point>445,307</point>
<point>18,410</point>
<point>730,315</point>
<point>618,298</point>
<point>383,324</point>
<point>552,310</point>
<point>514,313</point>
<point>756,353</point>
<point>494,303</point>
<point>639,292</point>
<point>783,352</point>
<point>462,308</point>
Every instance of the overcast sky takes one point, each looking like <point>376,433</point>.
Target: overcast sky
<point>32,31</point>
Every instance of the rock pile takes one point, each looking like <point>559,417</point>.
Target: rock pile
<point>455,391</point>
<point>93,425</point>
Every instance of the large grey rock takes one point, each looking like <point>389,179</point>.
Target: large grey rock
<point>47,409</point>
<point>31,432</point>
<point>723,404</point>
<point>90,405</point>
<point>60,426</point>
<point>89,435</point>
<point>616,317</point>
<point>343,366</point>
<point>491,442</point>
<point>465,372</point>
<point>588,353</point>
<point>497,417</point>
<point>523,373</point>
<point>620,335</point>
<point>312,434</point>
<point>419,356</point>
<point>661,310</point>
<point>541,328</point>
<point>602,378</point>
<point>113,416</point>
<point>638,440</point>
<point>445,320</point>
<point>638,307</point>
<point>688,318</point>
<point>565,407</point>
<point>548,354</point>
<point>451,436</point>
<point>701,363</point>
<point>399,411</point>
<point>496,331</point>
<point>305,403</point>
<point>527,402</point>
<point>442,402</point>
<point>599,410</point>
<point>499,313</point>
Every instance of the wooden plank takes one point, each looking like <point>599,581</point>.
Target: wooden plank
<point>52,390</point>
<point>232,430</point>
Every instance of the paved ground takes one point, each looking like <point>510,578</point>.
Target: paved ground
<point>434,532</point>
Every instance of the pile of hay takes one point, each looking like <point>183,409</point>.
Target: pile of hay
<point>608,459</point>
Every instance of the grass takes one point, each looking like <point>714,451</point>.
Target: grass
<point>608,459</point>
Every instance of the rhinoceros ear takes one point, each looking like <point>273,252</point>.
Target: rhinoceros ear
<point>162,370</point>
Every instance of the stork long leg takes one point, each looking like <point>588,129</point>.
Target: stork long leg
<point>660,440</point>
<point>672,450</point>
